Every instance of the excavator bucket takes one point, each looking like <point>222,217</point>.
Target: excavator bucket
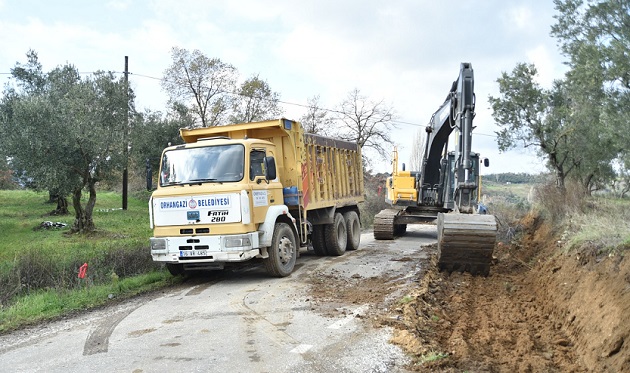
<point>466,242</point>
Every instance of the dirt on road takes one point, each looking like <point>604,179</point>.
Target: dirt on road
<point>540,310</point>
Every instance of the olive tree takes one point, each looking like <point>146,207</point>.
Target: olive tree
<point>531,116</point>
<point>66,134</point>
<point>595,38</point>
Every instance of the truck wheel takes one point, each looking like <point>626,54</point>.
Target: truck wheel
<point>317,238</point>
<point>175,269</point>
<point>336,236</point>
<point>353,226</point>
<point>283,251</point>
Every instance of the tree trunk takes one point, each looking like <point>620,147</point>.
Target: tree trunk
<point>89,207</point>
<point>560,179</point>
<point>53,196</point>
<point>62,206</point>
<point>62,203</point>
<point>83,222</point>
<point>587,185</point>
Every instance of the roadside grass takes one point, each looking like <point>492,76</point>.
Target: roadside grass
<point>600,222</point>
<point>41,305</point>
<point>605,227</point>
<point>39,267</point>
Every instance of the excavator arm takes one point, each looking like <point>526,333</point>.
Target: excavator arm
<point>456,113</point>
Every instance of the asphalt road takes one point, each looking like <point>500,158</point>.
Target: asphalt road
<point>233,321</point>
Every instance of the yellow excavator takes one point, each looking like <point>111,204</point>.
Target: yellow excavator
<point>446,187</point>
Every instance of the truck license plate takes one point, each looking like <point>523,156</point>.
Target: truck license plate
<point>183,253</point>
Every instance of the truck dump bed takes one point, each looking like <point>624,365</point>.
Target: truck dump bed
<point>316,171</point>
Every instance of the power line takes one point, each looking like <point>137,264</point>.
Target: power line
<point>263,98</point>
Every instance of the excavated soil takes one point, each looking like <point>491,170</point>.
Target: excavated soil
<point>538,311</point>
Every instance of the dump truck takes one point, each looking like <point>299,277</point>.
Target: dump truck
<point>255,191</point>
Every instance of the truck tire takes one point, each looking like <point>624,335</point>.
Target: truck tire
<point>283,251</point>
<point>175,269</point>
<point>336,236</point>
<point>353,226</point>
<point>317,238</point>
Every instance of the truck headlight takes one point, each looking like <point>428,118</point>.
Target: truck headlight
<point>158,244</point>
<point>238,241</point>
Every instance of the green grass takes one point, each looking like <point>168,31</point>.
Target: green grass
<point>50,304</point>
<point>515,194</point>
<point>22,211</point>
<point>432,356</point>
<point>601,222</point>
<point>39,267</point>
<point>406,299</point>
<point>605,226</point>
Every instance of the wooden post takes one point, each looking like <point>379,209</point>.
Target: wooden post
<point>126,138</point>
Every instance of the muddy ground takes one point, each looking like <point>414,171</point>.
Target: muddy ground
<point>539,310</point>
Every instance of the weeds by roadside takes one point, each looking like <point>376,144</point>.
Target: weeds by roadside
<point>39,268</point>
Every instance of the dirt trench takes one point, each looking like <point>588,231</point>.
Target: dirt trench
<point>539,310</point>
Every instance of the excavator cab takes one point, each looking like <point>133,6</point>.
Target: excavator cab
<point>451,184</point>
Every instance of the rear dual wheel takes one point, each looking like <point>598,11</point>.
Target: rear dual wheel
<point>317,238</point>
<point>336,236</point>
<point>334,239</point>
<point>353,228</point>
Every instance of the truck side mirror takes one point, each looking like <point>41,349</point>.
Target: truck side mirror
<point>270,168</point>
<point>486,162</point>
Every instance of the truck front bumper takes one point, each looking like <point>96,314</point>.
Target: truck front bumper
<point>205,249</point>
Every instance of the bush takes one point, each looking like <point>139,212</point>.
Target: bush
<point>508,217</point>
<point>374,202</point>
<point>33,270</point>
<point>557,204</point>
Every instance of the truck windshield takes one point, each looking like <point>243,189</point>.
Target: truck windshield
<point>221,163</point>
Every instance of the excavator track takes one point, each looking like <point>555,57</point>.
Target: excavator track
<point>384,228</point>
<point>466,242</point>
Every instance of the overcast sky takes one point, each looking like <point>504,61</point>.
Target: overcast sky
<point>405,52</point>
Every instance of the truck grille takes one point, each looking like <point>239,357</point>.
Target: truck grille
<point>188,231</point>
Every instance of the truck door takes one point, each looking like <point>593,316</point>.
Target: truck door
<point>264,192</point>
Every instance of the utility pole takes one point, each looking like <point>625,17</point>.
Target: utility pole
<point>126,137</point>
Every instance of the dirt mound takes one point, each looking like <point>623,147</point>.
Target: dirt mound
<point>539,310</point>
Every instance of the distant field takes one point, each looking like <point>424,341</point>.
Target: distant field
<point>509,193</point>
